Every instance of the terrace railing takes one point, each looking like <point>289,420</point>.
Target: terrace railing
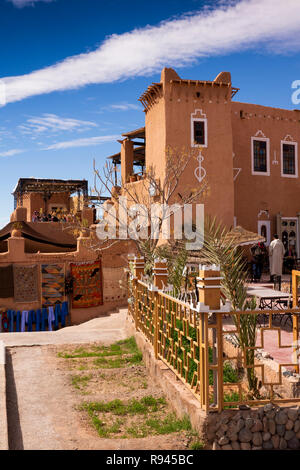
<point>204,351</point>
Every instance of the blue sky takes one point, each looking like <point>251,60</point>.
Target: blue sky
<point>74,69</point>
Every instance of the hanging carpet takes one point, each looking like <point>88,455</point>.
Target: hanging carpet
<point>53,284</point>
<point>87,285</point>
<point>26,283</point>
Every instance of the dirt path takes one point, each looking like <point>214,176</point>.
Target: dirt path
<point>43,400</point>
<point>39,403</point>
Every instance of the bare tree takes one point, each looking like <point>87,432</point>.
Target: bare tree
<point>136,201</point>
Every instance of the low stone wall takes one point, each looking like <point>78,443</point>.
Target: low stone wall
<point>266,428</point>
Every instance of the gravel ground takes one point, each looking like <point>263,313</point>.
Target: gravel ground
<point>43,403</point>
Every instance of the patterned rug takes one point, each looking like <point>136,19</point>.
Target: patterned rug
<point>87,285</point>
<point>6,282</point>
<point>53,284</point>
<point>26,283</point>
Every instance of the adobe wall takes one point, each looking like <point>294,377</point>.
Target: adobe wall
<point>114,260</point>
<point>155,128</point>
<point>168,124</point>
<point>35,202</point>
<point>256,193</point>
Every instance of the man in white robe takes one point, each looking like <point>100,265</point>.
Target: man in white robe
<point>276,255</point>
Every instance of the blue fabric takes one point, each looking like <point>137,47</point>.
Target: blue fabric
<point>64,313</point>
<point>11,314</point>
<point>31,315</point>
<point>51,317</point>
<point>44,318</point>
<point>38,320</point>
<point>18,321</point>
<point>57,313</point>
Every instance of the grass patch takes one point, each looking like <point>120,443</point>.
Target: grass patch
<point>79,381</point>
<point>119,362</point>
<point>103,429</point>
<point>169,425</point>
<point>127,346</point>
<point>119,408</point>
<point>118,355</point>
<point>135,418</point>
<point>197,445</point>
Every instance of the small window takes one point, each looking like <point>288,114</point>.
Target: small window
<point>288,159</point>
<point>199,132</point>
<point>260,156</point>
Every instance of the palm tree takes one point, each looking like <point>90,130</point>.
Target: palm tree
<point>220,249</point>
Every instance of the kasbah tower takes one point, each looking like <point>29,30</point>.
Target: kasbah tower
<point>194,116</point>
<point>248,153</point>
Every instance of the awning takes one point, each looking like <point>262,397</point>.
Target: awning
<point>242,237</point>
<point>63,239</point>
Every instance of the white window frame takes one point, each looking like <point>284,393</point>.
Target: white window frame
<point>193,143</point>
<point>297,229</point>
<point>286,142</point>
<point>260,173</point>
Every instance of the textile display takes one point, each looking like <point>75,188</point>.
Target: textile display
<point>87,285</point>
<point>6,282</point>
<point>26,283</point>
<point>51,318</point>
<point>53,284</point>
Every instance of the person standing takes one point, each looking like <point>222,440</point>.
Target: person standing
<point>257,252</point>
<point>276,255</point>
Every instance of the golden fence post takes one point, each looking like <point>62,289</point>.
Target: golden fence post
<point>136,313</point>
<point>161,274</point>
<point>139,267</point>
<point>155,320</point>
<point>220,363</point>
<point>295,275</point>
<point>209,288</point>
<point>205,363</point>
<point>295,288</point>
<point>130,289</point>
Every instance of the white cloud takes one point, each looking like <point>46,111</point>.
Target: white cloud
<point>85,142</point>
<point>11,153</point>
<point>120,107</point>
<point>125,107</point>
<point>213,31</point>
<point>27,3</point>
<point>54,123</point>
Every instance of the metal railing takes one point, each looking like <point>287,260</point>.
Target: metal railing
<point>205,351</point>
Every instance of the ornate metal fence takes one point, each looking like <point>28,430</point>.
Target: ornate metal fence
<point>207,353</point>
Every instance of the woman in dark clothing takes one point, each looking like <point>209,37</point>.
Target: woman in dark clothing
<point>258,255</point>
